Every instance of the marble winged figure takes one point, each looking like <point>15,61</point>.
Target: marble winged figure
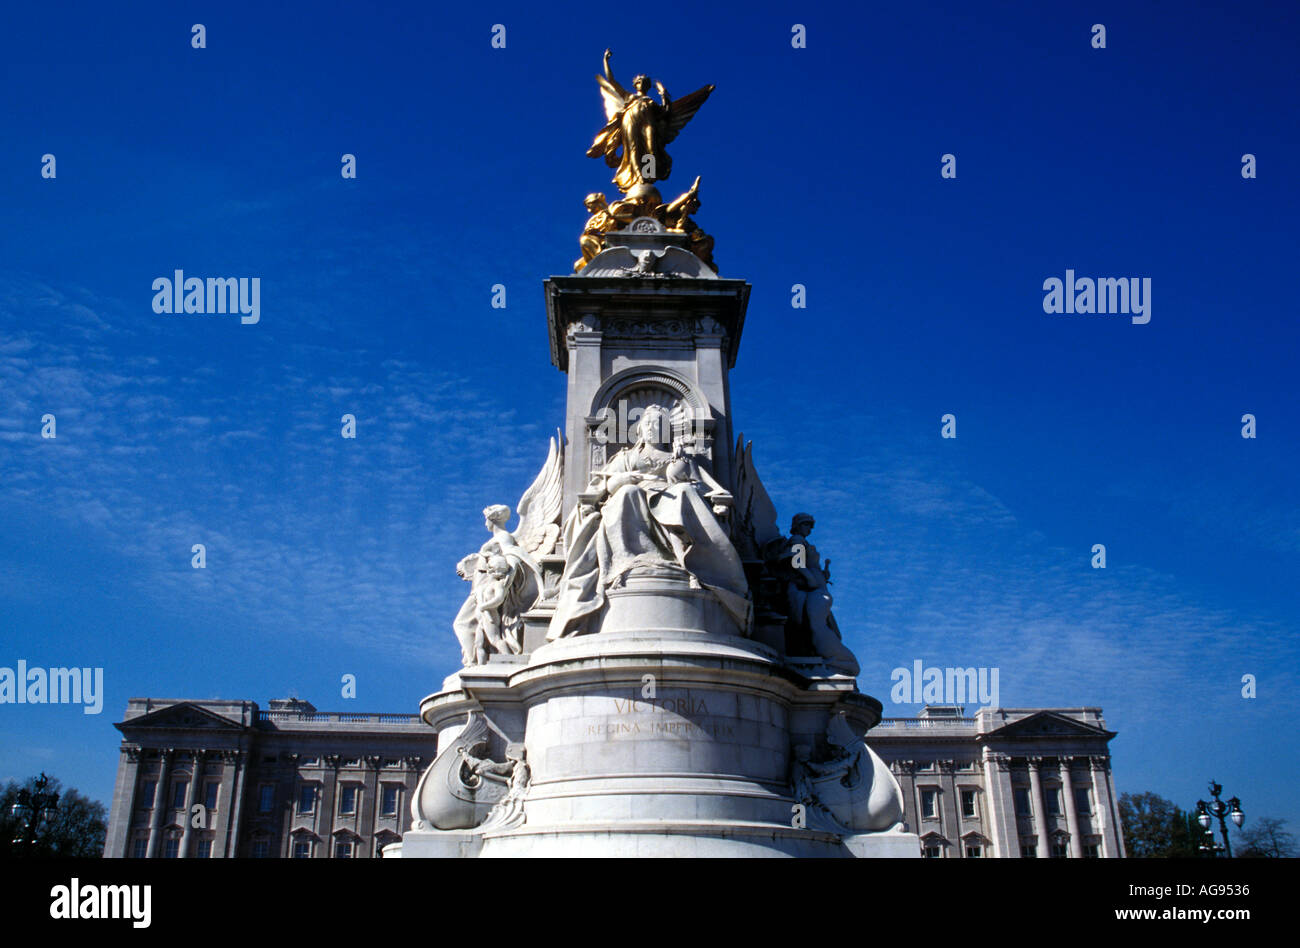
<point>637,128</point>
<point>504,575</point>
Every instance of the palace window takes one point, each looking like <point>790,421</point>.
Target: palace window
<point>968,804</point>
<point>179,789</point>
<point>1053,800</point>
<point>974,851</point>
<point>1028,851</point>
<point>1091,851</point>
<point>1083,801</point>
<point>261,848</point>
<point>210,791</point>
<point>302,849</point>
<point>171,847</point>
<point>343,849</point>
<point>140,847</point>
<point>266,798</point>
<point>929,804</point>
<point>1060,849</point>
<point>1021,795</point>
<point>389,807</point>
<point>307,798</point>
<point>347,799</point>
<point>146,793</point>
<point>205,849</point>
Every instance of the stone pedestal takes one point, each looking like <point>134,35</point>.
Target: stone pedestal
<point>654,742</point>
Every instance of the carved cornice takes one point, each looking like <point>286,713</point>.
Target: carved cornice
<point>570,299</point>
<point>672,328</point>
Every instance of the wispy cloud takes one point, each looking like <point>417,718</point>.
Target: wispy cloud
<point>305,531</point>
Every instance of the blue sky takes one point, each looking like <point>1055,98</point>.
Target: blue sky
<point>820,166</point>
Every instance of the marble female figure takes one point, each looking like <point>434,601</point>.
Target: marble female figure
<point>650,510</point>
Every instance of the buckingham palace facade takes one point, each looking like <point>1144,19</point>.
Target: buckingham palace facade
<point>1005,783</point>
<point>224,779</point>
<point>221,779</point>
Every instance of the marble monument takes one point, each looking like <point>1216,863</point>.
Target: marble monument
<point>651,667</point>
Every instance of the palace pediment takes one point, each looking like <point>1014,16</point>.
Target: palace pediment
<point>1048,724</point>
<point>183,716</point>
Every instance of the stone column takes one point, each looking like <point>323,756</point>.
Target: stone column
<point>191,794</point>
<point>584,340</point>
<point>950,815</point>
<point>412,769</point>
<point>903,771</point>
<point>237,810</point>
<point>118,844</point>
<point>999,803</point>
<point>368,818</point>
<point>328,794</point>
<point>1112,801</point>
<point>1102,807</point>
<point>1071,814</point>
<point>287,807</point>
<point>159,795</point>
<point>225,802</point>
<point>711,379</point>
<point>1040,808</point>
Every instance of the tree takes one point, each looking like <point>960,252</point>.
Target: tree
<point>1155,828</point>
<point>77,830</point>
<point>1267,838</point>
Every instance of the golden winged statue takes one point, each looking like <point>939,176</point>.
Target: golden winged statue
<point>639,128</point>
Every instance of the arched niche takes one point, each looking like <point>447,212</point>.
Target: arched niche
<point>619,403</point>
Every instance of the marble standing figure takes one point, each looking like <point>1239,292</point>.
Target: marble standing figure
<point>796,562</point>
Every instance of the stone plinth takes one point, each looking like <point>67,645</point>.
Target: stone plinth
<point>655,742</point>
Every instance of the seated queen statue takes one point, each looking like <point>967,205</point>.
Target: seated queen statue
<point>651,510</point>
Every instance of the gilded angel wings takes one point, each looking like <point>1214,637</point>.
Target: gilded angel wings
<point>637,128</point>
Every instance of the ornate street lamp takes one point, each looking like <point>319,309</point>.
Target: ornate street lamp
<point>33,810</point>
<point>1206,812</point>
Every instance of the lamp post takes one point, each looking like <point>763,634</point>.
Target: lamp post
<point>1232,809</point>
<point>34,808</point>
